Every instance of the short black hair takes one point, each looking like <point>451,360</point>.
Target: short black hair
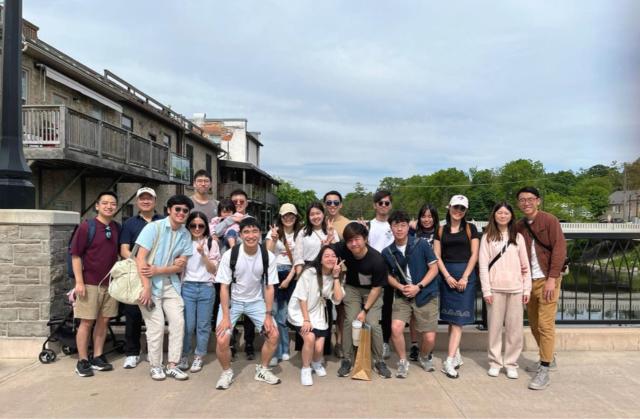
<point>180,200</point>
<point>239,192</point>
<point>202,173</point>
<point>399,216</point>
<point>528,189</point>
<point>226,205</point>
<point>382,193</point>
<point>103,193</point>
<point>249,222</point>
<point>324,198</point>
<point>354,229</point>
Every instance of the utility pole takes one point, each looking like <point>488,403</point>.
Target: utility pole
<point>625,194</point>
<point>16,189</point>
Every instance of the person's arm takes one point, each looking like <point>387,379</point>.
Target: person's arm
<point>306,320</point>
<point>145,275</point>
<point>125,252</point>
<point>77,251</point>
<point>213,258</point>
<point>76,264</point>
<point>473,260</point>
<point>437,249</point>
<point>222,226</point>
<point>558,249</point>
<point>298,253</point>
<point>371,300</point>
<point>484,258</point>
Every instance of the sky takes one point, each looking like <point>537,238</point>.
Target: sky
<point>355,90</point>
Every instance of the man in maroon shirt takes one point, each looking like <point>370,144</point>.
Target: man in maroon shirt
<point>92,260</point>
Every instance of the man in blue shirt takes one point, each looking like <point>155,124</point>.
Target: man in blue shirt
<point>412,271</point>
<point>164,247</point>
<point>146,203</point>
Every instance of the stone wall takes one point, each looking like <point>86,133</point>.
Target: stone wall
<point>33,271</point>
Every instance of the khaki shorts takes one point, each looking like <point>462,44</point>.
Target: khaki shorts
<point>426,316</point>
<point>96,301</point>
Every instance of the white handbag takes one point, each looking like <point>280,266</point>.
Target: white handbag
<point>126,285</point>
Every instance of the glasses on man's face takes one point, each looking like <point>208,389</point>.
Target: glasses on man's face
<point>527,200</point>
<point>239,201</point>
<point>332,203</point>
<point>181,209</point>
<point>203,181</point>
<point>196,226</point>
<point>107,232</point>
<point>383,203</point>
<point>459,208</point>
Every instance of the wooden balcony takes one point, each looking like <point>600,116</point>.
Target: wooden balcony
<point>62,136</point>
<point>255,193</point>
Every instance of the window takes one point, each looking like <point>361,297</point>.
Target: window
<point>190,158</point>
<point>208,163</point>
<point>153,137</point>
<point>24,86</point>
<point>58,99</point>
<point>127,122</point>
<point>166,139</point>
<point>95,111</point>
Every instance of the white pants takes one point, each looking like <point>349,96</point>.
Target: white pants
<point>506,309</point>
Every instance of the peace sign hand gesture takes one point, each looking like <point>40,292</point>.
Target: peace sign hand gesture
<point>274,232</point>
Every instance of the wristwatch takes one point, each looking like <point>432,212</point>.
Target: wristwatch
<point>366,310</point>
<point>421,285</point>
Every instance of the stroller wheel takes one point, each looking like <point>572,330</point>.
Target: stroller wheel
<point>120,347</point>
<point>47,356</point>
<point>68,350</point>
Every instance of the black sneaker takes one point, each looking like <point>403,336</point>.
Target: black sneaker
<point>381,368</point>
<point>414,354</point>
<point>100,363</point>
<point>345,368</point>
<point>83,368</point>
<point>251,354</point>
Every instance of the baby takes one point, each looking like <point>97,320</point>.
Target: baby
<point>226,208</point>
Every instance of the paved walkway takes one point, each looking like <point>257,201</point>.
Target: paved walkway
<point>587,384</point>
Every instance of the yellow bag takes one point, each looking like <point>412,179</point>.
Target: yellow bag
<point>362,368</point>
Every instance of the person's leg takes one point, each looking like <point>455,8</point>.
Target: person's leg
<point>400,315</point>
<point>513,330</point>
<point>249,336</point>
<point>132,329</point>
<point>108,308</point>
<point>352,303</point>
<point>533,307</point>
<point>495,317</point>
<point>455,335</point>
<point>190,299</point>
<point>99,335</point>
<point>426,324</point>
<point>280,317</point>
<point>308,349</point>
<point>547,326</point>
<point>82,337</point>
<point>373,318</point>
<point>387,308</point>
<point>223,348</point>
<point>154,322</point>
<point>174,312</point>
<point>318,350</point>
<point>204,306</point>
<point>340,321</point>
<point>427,343</point>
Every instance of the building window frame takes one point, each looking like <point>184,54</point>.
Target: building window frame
<point>127,118</point>
<point>24,86</point>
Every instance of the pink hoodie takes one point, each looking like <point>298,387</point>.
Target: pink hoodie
<point>510,273</point>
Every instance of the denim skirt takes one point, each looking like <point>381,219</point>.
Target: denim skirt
<point>458,307</point>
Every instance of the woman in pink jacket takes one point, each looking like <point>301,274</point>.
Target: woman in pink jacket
<point>506,286</point>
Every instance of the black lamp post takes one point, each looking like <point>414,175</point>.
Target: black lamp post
<point>16,189</point>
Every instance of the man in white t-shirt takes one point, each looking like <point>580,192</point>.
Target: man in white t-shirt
<point>380,236</point>
<point>244,290</point>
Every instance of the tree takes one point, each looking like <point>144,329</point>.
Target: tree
<point>483,194</point>
<point>358,204</point>
<point>633,174</point>
<point>287,192</point>
<point>518,173</point>
<point>561,182</point>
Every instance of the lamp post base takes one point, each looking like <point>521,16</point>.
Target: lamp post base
<point>17,194</point>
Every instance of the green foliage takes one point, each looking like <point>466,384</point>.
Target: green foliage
<point>517,174</point>
<point>358,204</point>
<point>287,192</point>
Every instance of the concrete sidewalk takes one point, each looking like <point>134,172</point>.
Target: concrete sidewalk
<point>587,384</point>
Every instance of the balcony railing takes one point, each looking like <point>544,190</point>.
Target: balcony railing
<point>61,127</point>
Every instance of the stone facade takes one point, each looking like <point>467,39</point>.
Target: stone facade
<point>33,271</point>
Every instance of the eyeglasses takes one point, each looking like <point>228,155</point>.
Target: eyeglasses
<point>383,203</point>
<point>238,201</point>
<point>107,232</point>
<point>196,226</point>
<point>182,210</point>
<point>460,208</point>
<point>331,203</point>
<point>527,200</point>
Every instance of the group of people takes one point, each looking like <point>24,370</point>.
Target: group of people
<point>209,262</point>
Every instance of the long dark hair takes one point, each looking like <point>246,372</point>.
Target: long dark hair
<point>493,231</point>
<point>317,265</point>
<point>463,222</point>
<point>308,227</point>
<point>434,214</point>
<point>203,217</point>
<point>280,225</point>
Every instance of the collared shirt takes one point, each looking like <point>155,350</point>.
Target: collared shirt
<point>132,228</point>
<point>171,244</point>
<point>417,257</point>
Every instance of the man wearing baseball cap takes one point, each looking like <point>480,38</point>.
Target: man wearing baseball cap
<point>146,203</point>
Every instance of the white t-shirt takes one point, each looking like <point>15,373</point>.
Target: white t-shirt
<point>248,285</point>
<point>307,290</point>
<point>407,273</point>
<point>196,270</point>
<point>282,258</point>
<point>380,235</point>
<point>536,271</point>
<point>308,247</point>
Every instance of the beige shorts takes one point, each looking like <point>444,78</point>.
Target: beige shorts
<point>426,316</point>
<point>96,301</point>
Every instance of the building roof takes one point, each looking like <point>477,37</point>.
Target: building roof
<point>617,197</point>
<point>247,166</point>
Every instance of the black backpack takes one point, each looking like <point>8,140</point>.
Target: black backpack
<point>91,234</point>
<point>235,251</point>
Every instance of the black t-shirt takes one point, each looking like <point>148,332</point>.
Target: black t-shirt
<point>368,272</point>
<point>456,247</point>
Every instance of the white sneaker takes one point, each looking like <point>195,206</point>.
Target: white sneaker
<point>196,365</point>
<point>305,377</point>
<point>493,372</point>
<point>512,373</point>
<point>225,380</point>
<point>457,359</point>
<point>273,362</point>
<point>318,368</point>
<point>157,373</point>
<point>177,373</point>
<point>386,351</point>
<point>449,369</point>
<point>131,362</point>
<point>286,357</point>
<point>184,363</point>
<point>265,374</point>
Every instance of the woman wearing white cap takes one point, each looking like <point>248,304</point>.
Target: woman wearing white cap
<point>456,246</point>
<point>281,241</point>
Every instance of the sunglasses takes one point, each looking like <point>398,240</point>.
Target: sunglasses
<point>182,210</point>
<point>383,203</point>
<point>196,226</point>
<point>333,203</point>
<point>107,232</point>
<point>460,208</point>
<point>239,201</point>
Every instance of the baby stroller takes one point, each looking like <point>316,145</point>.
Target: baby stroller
<point>63,331</point>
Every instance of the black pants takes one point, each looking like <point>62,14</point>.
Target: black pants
<point>387,310</point>
<point>132,329</point>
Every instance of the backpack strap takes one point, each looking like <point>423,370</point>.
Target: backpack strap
<point>235,251</point>
<point>265,263</point>
<point>91,234</point>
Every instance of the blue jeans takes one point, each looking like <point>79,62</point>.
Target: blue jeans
<point>280,311</point>
<point>198,307</point>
